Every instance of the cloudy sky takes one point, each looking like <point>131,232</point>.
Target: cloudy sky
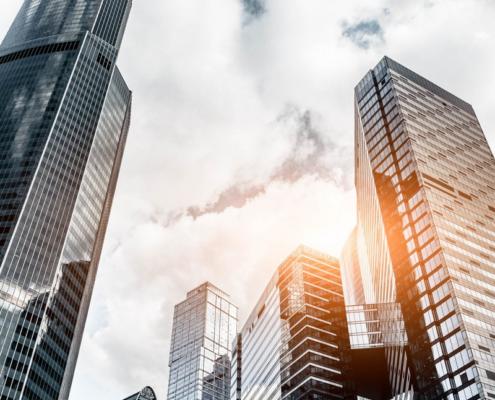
<point>240,148</point>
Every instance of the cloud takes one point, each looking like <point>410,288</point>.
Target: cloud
<point>311,154</point>
<point>310,149</point>
<point>254,8</point>
<point>235,196</point>
<point>364,33</point>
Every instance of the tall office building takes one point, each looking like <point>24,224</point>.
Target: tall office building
<point>295,343</point>
<point>426,205</point>
<point>64,117</point>
<point>204,328</point>
<point>146,394</point>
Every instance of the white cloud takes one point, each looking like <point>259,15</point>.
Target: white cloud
<point>208,89</point>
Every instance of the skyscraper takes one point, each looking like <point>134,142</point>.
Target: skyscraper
<point>204,328</point>
<point>426,205</point>
<point>64,117</point>
<point>295,343</point>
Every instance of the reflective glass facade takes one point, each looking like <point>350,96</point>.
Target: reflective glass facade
<point>295,343</point>
<point>366,327</point>
<point>204,328</point>
<point>351,270</point>
<point>424,179</point>
<point>64,117</point>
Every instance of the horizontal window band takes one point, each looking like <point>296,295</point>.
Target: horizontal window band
<point>40,50</point>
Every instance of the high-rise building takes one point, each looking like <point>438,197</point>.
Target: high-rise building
<point>64,117</point>
<point>295,343</point>
<point>426,206</point>
<point>146,394</point>
<point>204,328</point>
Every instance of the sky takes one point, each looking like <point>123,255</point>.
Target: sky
<point>241,148</point>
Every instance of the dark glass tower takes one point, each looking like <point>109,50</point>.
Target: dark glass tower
<point>426,206</point>
<point>64,117</point>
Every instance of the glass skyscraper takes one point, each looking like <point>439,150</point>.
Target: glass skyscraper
<point>426,206</point>
<point>64,117</point>
<point>295,343</point>
<point>204,329</point>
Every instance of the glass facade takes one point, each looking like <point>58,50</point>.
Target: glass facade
<point>146,394</point>
<point>366,328</point>
<point>351,270</point>
<point>424,180</point>
<point>64,117</point>
<point>204,328</point>
<point>295,344</point>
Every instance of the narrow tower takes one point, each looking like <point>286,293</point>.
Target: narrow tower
<point>64,117</point>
